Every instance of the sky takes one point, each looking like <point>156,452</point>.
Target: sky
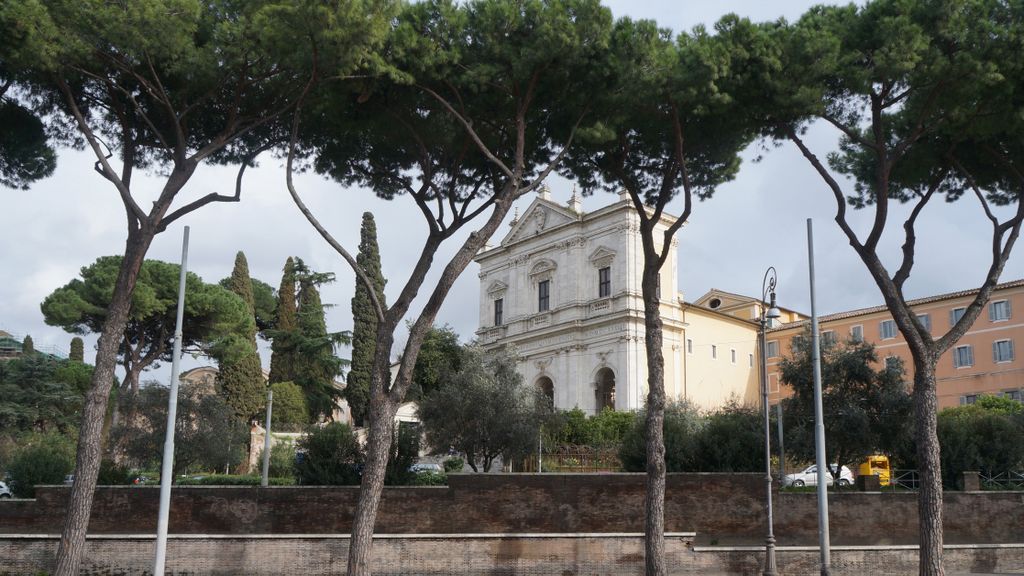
<point>759,220</point>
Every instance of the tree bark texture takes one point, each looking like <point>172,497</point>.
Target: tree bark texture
<point>378,448</point>
<point>929,499</point>
<point>654,498</point>
<point>89,455</point>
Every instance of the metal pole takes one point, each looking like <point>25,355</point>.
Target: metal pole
<point>819,421</point>
<point>167,464</point>
<point>540,451</point>
<point>782,442</point>
<point>265,481</point>
<point>769,541</point>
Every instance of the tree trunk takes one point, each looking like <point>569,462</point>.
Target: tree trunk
<point>87,460</point>
<point>378,449</point>
<point>654,500</point>
<point>929,498</point>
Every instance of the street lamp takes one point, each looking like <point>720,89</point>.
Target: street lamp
<point>768,312</point>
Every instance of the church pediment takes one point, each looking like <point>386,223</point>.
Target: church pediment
<point>540,216</point>
<point>496,289</point>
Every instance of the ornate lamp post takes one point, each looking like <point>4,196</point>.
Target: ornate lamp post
<point>768,312</point>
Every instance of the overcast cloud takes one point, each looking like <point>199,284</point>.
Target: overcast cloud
<point>70,219</point>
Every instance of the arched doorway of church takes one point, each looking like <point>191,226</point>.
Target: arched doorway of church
<point>605,389</point>
<point>547,387</point>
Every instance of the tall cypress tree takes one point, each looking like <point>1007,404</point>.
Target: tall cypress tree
<point>28,346</point>
<point>364,331</point>
<point>282,356</point>
<point>77,350</point>
<point>241,375</point>
<point>317,366</point>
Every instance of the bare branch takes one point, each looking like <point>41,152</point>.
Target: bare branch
<point>468,125</point>
<point>910,241</point>
<point>378,307</point>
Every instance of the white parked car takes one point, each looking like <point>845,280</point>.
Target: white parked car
<point>5,492</point>
<point>809,477</point>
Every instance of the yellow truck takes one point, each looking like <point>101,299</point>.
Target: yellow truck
<point>876,465</point>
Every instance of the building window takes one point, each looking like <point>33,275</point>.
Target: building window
<point>968,399</point>
<point>604,282</point>
<point>543,295</point>
<point>714,351</point>
<point>963,356</point>
<point>887,329</point>
<point>926,321</point>
<point>772,349</point>
<point>1013,395</point>
<point>955,315</point>
<point>999,311</point>
<point>828,337</point>
<point>732,355</point>
<point>797,344</point>
<point>1002,350</point>
<point>689,346</point>
<point>499,305</point>
<point>750,357</point>
<point>857,333</point>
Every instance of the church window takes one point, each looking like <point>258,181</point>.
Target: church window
<point>604,282</point>
<point>499,305</point>
<point>543,295</point>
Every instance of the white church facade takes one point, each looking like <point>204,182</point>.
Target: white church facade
<point>563,288</point>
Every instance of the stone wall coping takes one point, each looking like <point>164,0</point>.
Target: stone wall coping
<point>880,547</point>
<point>480,536</point>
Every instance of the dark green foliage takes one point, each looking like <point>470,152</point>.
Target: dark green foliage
<point>682,428</point>
<point>207,435</point>
<point>364,317</point>
<point>866,410</point>
<point>986,437</point>
<point>405,450</point>
<point>606,429</point>
<point>317,366</point>
<point>112,474</point>
<point>454,464</point>
<point>77,350</point>
<point>233,480</point>
<point>732,440</point>
<point>484,410</point>
<point>290,410</point>
<point>286,324</point>
<point>439,354</point>
<point>329,456</point>
<point>212,317</point>
<point>43,459</point>
<point>240,377</point>
<point>28,346</point>
<point>428,479</point>
<point>25,155</point>
<point>264,304</point>
<point>282,460</point>
<point>41,393</point>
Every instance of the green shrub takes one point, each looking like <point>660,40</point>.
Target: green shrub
<point>282,460</point>
<point>732,440</point>
<point>682,428</point>
<point>329,456</point>
<point>112,474</point>
<point>405,449</point>
<point>987,436</point>
<point>429,479</point>
<point>46,460</point>
<point>454,464</point>
<point>291,411</point>
<point>233,480</point>
<point>608,428</point>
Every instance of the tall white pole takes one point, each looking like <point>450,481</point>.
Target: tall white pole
<point>819,420</point>
<point>167,464</point>
<point>265,480</point>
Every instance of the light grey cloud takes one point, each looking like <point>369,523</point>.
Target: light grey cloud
<point>758,220</point>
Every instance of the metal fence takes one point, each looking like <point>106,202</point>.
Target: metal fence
<point>903,480</point>
<point>1012,480</point>
<point>571,458</point>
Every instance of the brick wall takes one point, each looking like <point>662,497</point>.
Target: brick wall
<point>727,508</point>
<point>471,556</point>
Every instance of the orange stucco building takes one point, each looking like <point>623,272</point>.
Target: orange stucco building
<point>984,361</point>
